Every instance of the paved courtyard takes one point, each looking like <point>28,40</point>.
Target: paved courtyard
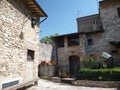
<point>48,85</point>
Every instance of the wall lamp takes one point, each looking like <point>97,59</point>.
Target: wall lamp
<point>33,21</point>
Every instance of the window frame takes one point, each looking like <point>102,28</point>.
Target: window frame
<point>73,41</point>
<point>30,55</point>
<point>114,51</point>
<point>90,41</point>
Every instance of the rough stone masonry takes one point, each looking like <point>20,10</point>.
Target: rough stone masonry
<point>18,41</point>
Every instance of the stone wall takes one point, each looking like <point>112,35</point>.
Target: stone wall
<point>65,52</point>
<point>81,50</point>
<point>111,23</point>
<point>93,27</point>
<point>47,52</point>
<point>16,37</point>
<point>98,43</point>
<point>89,23</point>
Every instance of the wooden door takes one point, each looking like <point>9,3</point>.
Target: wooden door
<point>74,65</point>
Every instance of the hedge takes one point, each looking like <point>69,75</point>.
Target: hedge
<point>112,74</point>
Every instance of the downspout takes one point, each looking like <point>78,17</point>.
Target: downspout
<point>86,45</point>
<point>56,50</point>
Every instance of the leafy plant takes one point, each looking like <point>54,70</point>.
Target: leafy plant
<point>112,74</point>
<point>48,39</point>
<point>92,62</point>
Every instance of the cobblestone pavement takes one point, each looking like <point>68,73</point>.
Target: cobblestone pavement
<point>48,85</point>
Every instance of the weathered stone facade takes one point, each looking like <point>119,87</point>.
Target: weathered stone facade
<point>65,52</point>
<point>81,50</point>
<point>89,23</point>
<point>16,38</point>
<point>98,43</point>
<point>111,24</point>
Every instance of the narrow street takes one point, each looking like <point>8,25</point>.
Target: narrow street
<point>48,85</point>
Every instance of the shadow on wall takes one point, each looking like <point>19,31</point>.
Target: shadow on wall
<point>47,52</point>
<point>48,60</point>
<point>54,53</point>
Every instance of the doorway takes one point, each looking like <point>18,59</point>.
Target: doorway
<point>74,65</point>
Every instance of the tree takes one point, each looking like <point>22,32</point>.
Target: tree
<point>48,39</point>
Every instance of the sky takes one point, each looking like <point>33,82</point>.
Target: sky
<point>62,15</point>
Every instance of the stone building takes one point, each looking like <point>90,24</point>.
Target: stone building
<point>89,23</point>
<point>70,50</point>
<point>19,41</point>
<point>96,34</point>
<point>110,17</point>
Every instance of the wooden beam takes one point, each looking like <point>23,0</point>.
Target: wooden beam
<point>33,5</point>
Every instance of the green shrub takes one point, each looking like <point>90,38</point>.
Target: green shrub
<point>99,74</point>
<point>93,63</point>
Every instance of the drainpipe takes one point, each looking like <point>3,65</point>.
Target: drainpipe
<point>86,45</point>
<point>56,49</point>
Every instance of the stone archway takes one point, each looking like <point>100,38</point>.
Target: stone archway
<point>74,65</point>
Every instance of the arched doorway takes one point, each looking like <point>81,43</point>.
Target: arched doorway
<point>74,65</point>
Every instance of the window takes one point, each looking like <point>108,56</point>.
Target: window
<point>73,41</point>
<point>114,51</point>
<point>60,42</point>
<point>118,10</point>
<point>30,55</point>
<point>90,41</point>
<point>101,27</point>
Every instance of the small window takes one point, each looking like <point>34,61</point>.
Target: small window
<point>30,55</point>
<point>73,41</point>
<point>118,10</point>
<point>33,22</point>
<point>90,41</point>
<point>95,22</point>
<point>60,42</point>
<point>114,51</point>
<point>101,27</point>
